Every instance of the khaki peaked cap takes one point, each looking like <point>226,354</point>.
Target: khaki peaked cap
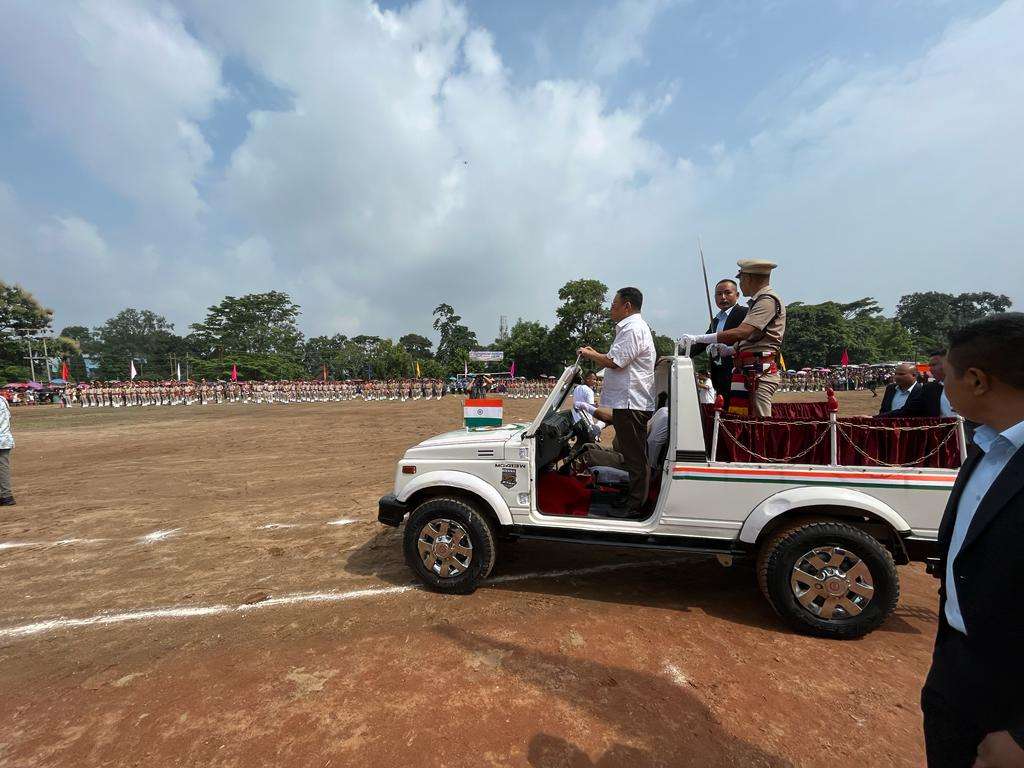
<point>756,266</point>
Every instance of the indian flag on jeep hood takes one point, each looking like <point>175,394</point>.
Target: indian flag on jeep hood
<point>482,413</point>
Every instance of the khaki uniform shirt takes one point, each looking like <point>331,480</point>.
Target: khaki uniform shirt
<point>762,316</point>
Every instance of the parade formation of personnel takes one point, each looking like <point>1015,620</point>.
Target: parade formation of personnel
<point>754,345</point>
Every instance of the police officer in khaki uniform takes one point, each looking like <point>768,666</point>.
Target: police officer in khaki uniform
<point>755,343</point>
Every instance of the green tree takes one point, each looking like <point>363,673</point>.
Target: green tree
<point>930,316</point>
<point>139,335</point>
<point>420,347</point>
<point>664,345</point>
<point>526,347</point>
<point>815,334</point>
<point>254,324</point>
<point>456,339</point>
<point>250,368</point>
<point>583,319</point>
<point>21,313</point>
<point>320,351</point>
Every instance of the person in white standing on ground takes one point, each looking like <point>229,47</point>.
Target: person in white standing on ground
<point>6,444</point>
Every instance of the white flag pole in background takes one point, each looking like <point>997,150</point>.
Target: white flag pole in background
<point>179,371</point>
<point>132,370</point>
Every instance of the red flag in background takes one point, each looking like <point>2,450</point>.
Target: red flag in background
<point>845,359</point>
<point>512,370</point>
<point>65,373</point>
<point>234,372</point>
<point>325,371</point>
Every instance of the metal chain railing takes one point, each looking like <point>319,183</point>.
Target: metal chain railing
<point>786,460</point>
<point>922,460</point>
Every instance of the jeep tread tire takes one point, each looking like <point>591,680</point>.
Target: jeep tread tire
<point>779,555</point>
<point>480,533</point>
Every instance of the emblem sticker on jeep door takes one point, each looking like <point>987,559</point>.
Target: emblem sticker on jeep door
<point>509,477</point>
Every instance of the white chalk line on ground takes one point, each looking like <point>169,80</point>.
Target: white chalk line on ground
<point>199,611</point>
<point>160,535</point>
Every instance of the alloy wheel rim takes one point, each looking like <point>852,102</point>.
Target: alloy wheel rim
<point>445,547</point>
<point>832,583</point>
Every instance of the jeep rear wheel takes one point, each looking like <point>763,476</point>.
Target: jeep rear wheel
<point>829,579</point>
<point>449,545</point>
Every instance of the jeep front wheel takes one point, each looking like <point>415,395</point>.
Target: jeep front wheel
<point>829,579</point>
<point>449,545</point>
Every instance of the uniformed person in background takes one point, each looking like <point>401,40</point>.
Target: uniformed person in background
<point>754,344</point>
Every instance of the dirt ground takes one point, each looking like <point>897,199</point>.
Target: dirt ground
<point>208,586</point>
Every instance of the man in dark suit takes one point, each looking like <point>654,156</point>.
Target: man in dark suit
<point>936,402</point>
<point>972,700</point>
<point>905,396</point>
<point>730,315</point>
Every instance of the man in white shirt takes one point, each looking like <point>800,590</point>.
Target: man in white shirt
<point>584,393</point>
<point>972,704</point>
<point>6,444</point>
<point>628,391</point>
<point>706,393</point>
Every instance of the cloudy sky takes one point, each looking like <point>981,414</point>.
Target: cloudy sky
<point>373,160</point>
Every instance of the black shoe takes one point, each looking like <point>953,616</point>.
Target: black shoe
<point>7,501</point>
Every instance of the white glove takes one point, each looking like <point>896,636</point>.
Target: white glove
<point>584,407</point>
<point>720,350</point>
<point>704,338</point>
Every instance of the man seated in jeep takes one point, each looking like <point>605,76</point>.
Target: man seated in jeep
<point>606,465</point>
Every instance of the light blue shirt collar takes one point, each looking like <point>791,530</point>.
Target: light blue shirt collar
<point>985,436</point>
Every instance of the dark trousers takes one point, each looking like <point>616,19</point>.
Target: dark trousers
<point>721,379</point>
<point>963,700</point>
<point>631,436</point>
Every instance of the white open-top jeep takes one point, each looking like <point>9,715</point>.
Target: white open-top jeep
<point>825,540</point>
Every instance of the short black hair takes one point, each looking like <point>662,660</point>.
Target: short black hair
<point>632,295</point>
<point>937,353</point>
<point>992,345</point>
<point>727,280</point>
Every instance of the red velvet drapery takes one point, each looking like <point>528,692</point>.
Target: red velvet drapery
<point>787,438</point>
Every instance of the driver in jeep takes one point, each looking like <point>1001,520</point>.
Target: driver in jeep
<point>607,466</point>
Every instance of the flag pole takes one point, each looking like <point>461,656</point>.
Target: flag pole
<point>704,269</point>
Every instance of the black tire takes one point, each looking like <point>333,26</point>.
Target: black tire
<point>438,516</point>
<point>779,581</point>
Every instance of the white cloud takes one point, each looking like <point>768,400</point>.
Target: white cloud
<point>616,33</point>
<point>122,85</point>
<point>412,169</point>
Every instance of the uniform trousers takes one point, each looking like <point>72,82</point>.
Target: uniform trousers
<point>5,473</point>
<point>764,392</point>
<point>631,437</point>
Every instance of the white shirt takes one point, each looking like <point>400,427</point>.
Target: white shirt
<point>899,397</point>
<point>631,385</point>
<point>657,434</point>
<point>706,392</point>
<point>6,438</point>
<point>581,394</point>
<point>945,409</point>
<point>999,448</point>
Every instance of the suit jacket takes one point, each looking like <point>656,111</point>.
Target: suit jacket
<point>736,316</point>
<point>989,574</point>
<point>915,405</point>
<point>931,395</point>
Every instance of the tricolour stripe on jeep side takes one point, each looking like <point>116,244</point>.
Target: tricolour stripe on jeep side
<point>835,477</point>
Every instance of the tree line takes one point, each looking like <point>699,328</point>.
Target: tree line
<point>259,334</point>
